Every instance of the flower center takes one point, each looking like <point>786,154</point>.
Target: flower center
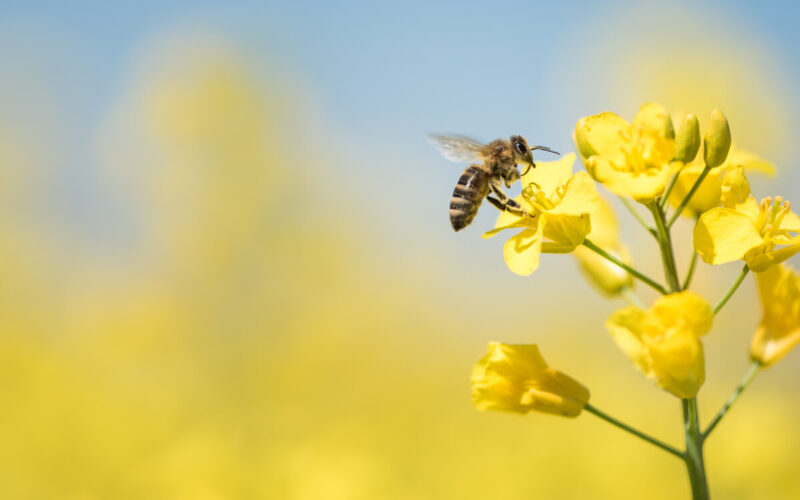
<point>539,199</point>
<point>771,213</point>
<point>637,148</point>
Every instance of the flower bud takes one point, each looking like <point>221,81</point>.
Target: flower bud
<point>688,140</point>
<point>516,378</point>
<point>717,140</point>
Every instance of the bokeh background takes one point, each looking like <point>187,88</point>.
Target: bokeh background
<point>227,269</point>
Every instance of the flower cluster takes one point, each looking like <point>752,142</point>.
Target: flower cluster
<point>646,163</point>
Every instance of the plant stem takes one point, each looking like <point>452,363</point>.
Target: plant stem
<point>693,456</point>
<point>668,191</point>
<point>725,298</point>
<point>689,195</point>
<point>694,450</point>
<point>748,377</point>
<point>638,216</point>
<point>690,273</point>
<point>608,418</point>
<point>633,272</point>
<point>665,243</point>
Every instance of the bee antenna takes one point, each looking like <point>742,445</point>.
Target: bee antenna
<point>545,149</point>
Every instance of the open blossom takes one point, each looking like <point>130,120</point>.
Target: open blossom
<point>631,160</point>
<point>559,203</point>
<point>664,341</point>
<point>516,378</point>
<point>779,330</point>
<point>709,194</point>
<point>606,276</point>
<point>761,234</point>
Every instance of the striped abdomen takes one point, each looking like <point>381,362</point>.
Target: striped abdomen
<point>472,188</point>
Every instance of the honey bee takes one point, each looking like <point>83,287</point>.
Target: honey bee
<point>498,166</point>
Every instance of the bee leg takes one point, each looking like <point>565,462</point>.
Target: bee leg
<point>506,204</point>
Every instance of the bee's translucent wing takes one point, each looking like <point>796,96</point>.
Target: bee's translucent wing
<point>457,148</point>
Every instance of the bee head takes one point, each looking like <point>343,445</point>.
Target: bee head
<point>522,152</point>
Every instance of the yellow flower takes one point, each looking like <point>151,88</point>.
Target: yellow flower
<point>758,233</point>
<point>708,195</point>
<point>516,378</point>
<point>630,160</point>
<point>559,204</point>
<point>779,331</point>
<point>606,276</point>
<point>664,341</point>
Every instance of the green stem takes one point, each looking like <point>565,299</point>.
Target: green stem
<point>689,195</point>
<point>694,450</point>
<point>638,216</point>
<point>668,191</point>
<point>690,273</point>
<point>633,272</point>
<point>608,418</point>
<point>665,243</point>
<point>748,377</point>
<point>725,298</point>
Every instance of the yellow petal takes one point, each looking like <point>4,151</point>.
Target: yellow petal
<point>555,393</point>
<point>779,331</point>
<point>625,326</point>
<point>516,360</point>
<point>522,251</point>
<point>791,222</point>
<point>677,362</point>
<point>654,120</point>
<point>565,232</point>
<point>641,186</point>
<point>516,378</point>
<point>749,161</point>
<point>601,135</point>
<point>507,220</point>
<point>725,235</point>
<point>580,196</point>
<point>684,310</point>
<point>735,188</point>
<point>762,257</point>
<point>549,175</point>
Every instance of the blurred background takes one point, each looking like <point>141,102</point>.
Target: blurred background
<point>227,269</point>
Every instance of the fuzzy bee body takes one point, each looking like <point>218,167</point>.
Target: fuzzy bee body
<point>472,188</point>
<point>497,167</point>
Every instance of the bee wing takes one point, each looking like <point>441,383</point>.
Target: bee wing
<point>457,148</point>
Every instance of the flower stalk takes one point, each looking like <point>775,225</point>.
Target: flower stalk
<point>748,377</point>
<point>665,243</point>
<point>689,195</point>
<point>633,272</point>
<point>725,298</point>
<point>627,428</point>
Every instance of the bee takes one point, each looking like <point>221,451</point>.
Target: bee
<point>498,166</point>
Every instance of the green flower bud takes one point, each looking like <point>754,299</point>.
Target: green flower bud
<point>718,140</point>
<point>688,141</point>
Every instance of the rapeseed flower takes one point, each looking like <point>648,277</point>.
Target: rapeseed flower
<point>559,203</point>
<point>516,378</point>
<point>761,234</point>
<point>779,330</point>
<point>664,341</point>
<point>633,160</point>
